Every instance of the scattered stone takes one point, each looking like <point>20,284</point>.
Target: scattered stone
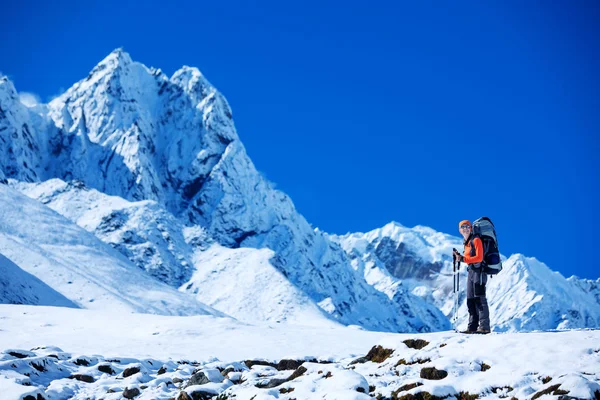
<point>467,396</point>
<point>554,389</point>
<point>38,397</point>
<point>177,380</point>
<point>372,388</point>
<point>360,360</point>
<point>484,367</point>
<point>284,390</point>
<point>402,361</point>
<point>406,387</point>
<point>251,363</point>
<point>442,345</point>
<point>272,383</point>
<point>226,371</point>
<point>198,378</point>
<point>162,370</point>
<point>288,364</point>
<point>131,393</point>
<point>419,396</point>
<point>130,371</point>
<point>378,354</point>
<point>82,362</point>
<point>416,343</point>
<point>106,369</point>
<point>202,395</point>
<point>328,375</point>
<point>546,379</point>
<point>433,374</point>
<point>183,396</point>
<point>82,378</point>
<point>298,372</point>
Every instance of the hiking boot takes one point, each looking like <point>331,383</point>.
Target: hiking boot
<point>468,331</point>
<point>483,331</point>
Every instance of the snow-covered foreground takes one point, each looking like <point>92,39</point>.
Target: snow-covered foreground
<point>60,353</point>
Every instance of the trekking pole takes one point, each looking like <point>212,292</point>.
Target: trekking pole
<point>454,289</point>
<point>456,266</point>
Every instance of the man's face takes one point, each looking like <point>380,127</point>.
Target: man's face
<point>465,230</point>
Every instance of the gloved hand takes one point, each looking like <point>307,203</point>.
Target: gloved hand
<point>458,256</point>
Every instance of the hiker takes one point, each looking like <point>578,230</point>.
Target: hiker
<point>479,313</point>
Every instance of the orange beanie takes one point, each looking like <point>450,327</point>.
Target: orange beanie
<point>465,222</point>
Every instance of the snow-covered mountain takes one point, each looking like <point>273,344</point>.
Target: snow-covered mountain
<point>153,170</point>
<point>130,131</point>
<point>20,287</point>
<point>526,295</point>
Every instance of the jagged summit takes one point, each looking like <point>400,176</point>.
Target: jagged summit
<point>129,131</point>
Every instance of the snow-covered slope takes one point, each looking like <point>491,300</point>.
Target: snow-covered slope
<point>144,232</point>
<point>240,282</point>
<point>130,131</point>
<point>78,265</point>
<point>20,287</point>
<point>161,358</point>
<point>526,295</point>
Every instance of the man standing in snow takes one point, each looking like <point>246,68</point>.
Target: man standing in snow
<point>479,313</point>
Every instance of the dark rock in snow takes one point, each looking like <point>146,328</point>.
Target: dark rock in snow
<point>131,393</point>
<point>106,369</point>
<point>82,378</point>
<point>199,378</point>
<point>130,371</point>
<point>433,374</point>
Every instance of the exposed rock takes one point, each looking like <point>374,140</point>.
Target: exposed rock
<point>433,374</point>
<point>404,388</point>
<point>202,395</point>
<point>82,378</point>
<point>106,369</point>
<point>416,343</point>
<point>554,390</point>
<point>162,370</point>
<point>198,378</point>
<point>183,396</point>
<point>131,393</point>
<point>419,396</point>
<point>378,354</point>
<point>130,371</point>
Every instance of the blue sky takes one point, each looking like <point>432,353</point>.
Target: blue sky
<point>425,113</point>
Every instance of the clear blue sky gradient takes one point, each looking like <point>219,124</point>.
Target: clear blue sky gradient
<point>421,112</point>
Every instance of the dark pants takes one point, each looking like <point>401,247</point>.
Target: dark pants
<point>479,312</point>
